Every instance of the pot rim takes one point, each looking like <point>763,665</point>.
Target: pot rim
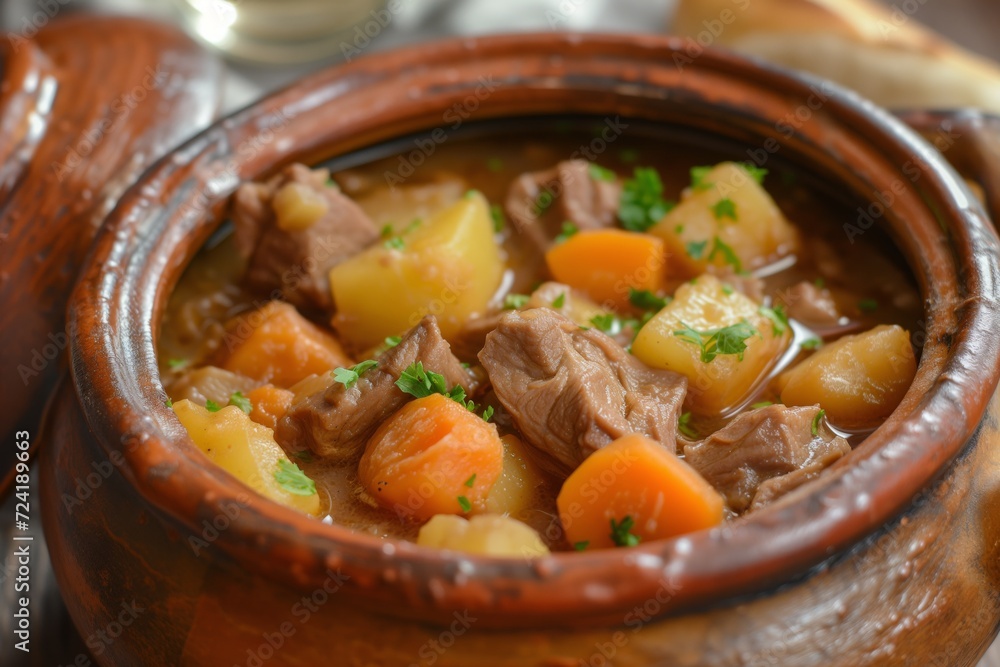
<point>167,215</point>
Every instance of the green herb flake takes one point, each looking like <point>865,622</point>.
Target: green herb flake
<point>488,413</point>
<point>606,322</point>
<point>762,404</point>
<point>177,364</point>
<point>646,300</point>
<point>291,478</point>
<point>868,305</point>
<point>684,426</point>
<point>242,402</point>
<point>392,341</point>
<point>778,317</point>
<point>395,243</point>
<point>330,183</point>
<point>812,343</point>
<point>719,247</point>
<point>419,383</point>
<point>698,176</point>
<point>169,403</point>
<point>469,194</point>
<point>304,455</point>
<point>472,480</point>
<point>212,406</point>
<point>515,301</point>
<point>464,503</point>
<point>724,208</point>
<point>349,376</point>
<point>496,213</point>
<point>696,249</point>
<point>755,172</point>
<point>386,231</point>
<point>679,229</point>
<point>817,420</point>
<point>819,283</point>
<point>727,289</point>
<point>641,204</point>
<point>621,532</point>
<point>628,155</point>
<point>712,343</point>
<point>581,546</point>
<point>599,173</point>
<point>494,164</point>
<point>568,230</point>
<point>542,202</point>
<point>559,301</point>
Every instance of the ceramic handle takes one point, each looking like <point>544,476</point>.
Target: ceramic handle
<point>970,140</point>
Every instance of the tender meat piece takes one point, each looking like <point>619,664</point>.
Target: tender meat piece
<point>764,453</point>
<point>209,383</point>
<point>539,202</point>
<point>295,263</point>
<point>336,422</point>
<point>810,305</point>
<point>571,391</point>
<point>470,340</point>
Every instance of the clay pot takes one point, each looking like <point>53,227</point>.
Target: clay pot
<point>891,558</point>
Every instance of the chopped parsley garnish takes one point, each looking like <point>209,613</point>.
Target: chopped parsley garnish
<point>242,402</point>
<point>684,426</point>
<point>679,229</point>
<point>599,173</point>
<point>568,230</point>
<point>169,403</point>
<point>641,204</point>
<point>386,231</point>
<point>812,343</point>
<point>494,164</point>
<point>464,503</point>
<point>762,404</point>
<point>724,208</point>
<point>488,413</point>
<point>515,301</point>
<point>712,343</point>
<point>543,201</point>
<point>606,322</point>
<point>419,383</point>
<point>392,341</point>
<point>177,364</point>
<point>291,478</point>
<point>212,406</point>
<point>496,212</point>
<point>349,376</point>
<point>580,546</point>
<point>727,252</point>
<point>817,420</point>
<point>330,183</point>
<point>868,305</point>
<point>559,301</point>
<point>395,243</point>
<point>698,175</point>
<point>755,172</point>
<point>469,194</point>
<point>303,455</point>
<point>628,155</point>
<point>696,249</point>
<point>778,317</point>
<point>727,289</point>
<point>645,299</point>
<point>621,532</point>
<point>472,480</point>
<point>820,283</point>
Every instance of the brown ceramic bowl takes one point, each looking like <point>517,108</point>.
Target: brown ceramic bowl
<point>891,558</point>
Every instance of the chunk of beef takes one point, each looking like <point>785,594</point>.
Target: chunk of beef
<point>811,305</point>
<point>571,391</point>
<point>209,383</point>
<point>336,422</point>
<point>765,453</point>
<point>295,263</point>
<point>539,202</point>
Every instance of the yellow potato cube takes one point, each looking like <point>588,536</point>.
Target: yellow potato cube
<point>248,452</point>
<point>297,206</point>
<point>517,489</point>
<point>727,218</point>
<point>859,380</point>
<point>448,266</point>
<point>718,321</point>
<point>486,534</point>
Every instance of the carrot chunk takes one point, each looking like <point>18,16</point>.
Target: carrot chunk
<point>606,263</point>
<point>276,344</point>
<point>432,457</point>
<point>637,490</point>
<point>268,404</point>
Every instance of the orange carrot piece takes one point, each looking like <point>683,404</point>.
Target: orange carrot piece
<point>635,478</point>
<point>605,263</point>
<point>276,344</point>
<point>269,404</point>
<point>432,457</point>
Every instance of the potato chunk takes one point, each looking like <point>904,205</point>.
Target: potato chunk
<point>248,452</point>
<point>517,488</point>
<point>448,266</point>
<point>727,218</point>
<point>717,380</point>
<point>859,380</point>
<point>486,534</point>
